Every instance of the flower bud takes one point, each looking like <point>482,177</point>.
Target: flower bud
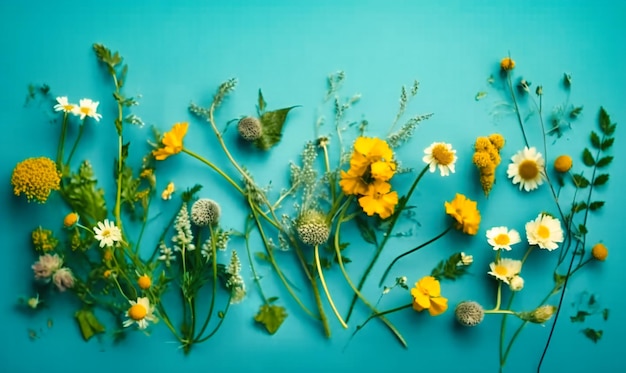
<point>563,163</point>
<point>205,212</point>
<point>469,313</point>
<point>516,283</point>
<point>539,315</point>
<point>507,64</point>
<point>599,252</point>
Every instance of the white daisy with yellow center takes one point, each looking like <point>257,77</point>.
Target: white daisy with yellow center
<point>107,233</point>
<point>505,269</point>
<point>87,108</point>
<point>545,231</point>
<point>527,169</point>
<point>64,105</point>
<point>140,312</point>
<point>440,155</point>
<point>501,238</point>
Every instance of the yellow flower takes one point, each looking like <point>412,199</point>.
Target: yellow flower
<point>440,155</point>
<point>44,240</point>
<point>368,150</point>
<point>427,295</point>
<point>172,141</point>
<point>144,282</point>
<point>379,199</point>
<point>599,252</point>
<point>487,158</point>
<point>465,212</point>
<point>382,170</point>
<point>168,191</point>
<point>36,178</point>
<point>352,183</point>
<point>507,64</point>
<point>70,219</point>
<point>563,163</point>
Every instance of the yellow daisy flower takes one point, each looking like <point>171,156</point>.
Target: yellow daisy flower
<point>87,108</point>
<point>505,269</point>
<point>465,212</point>
<point>140,312</point>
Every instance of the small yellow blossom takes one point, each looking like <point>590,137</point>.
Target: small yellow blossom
<point>352,183</point>
<point>36,178</point>
<point>599,252</point>
<point>107,273</point>
<point>427,295</point>
<point>168,191</point>
<point>507,64</point>
<point>487,158</point>
<point>70,219</point>
<point>465,212</point>
<point>43,240</point>
<point>563,163</point>
<point>379,199</point>
<point>144,282</point>
<point>172,142</point>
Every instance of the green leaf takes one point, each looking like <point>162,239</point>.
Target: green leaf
<point>593,334</point>
<point>83,196</point>
<point>578,207</point>
<point>595,140</point>
<point>607,143</point>
<point>575,112</point>
<point>262,256</point>
<point>605,314</point>
<point>605,123</point>
<point>262,104</point>
<point>580,181</point>
<point>367,232</point>
<point>449,268</point>
<point>272,123</point>
<point>88,323</point>
<point>588,158</point>
<point>189,194</point>
<point>582,229</point>
<point>271,316</point>
<point>601,179</point>
<point>595,205</point>
<point>580,316</point>
<point>272,299</point>
<point>567,80</point>
<point>604,161</point>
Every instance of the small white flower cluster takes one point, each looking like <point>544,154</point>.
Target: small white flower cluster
<point>167,254</point>
<point>183,240</point>
<point>221,242</point>
<point>235,282</point>
<point>50,267</point>
<point>85,108</point>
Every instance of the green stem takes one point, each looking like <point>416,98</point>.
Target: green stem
<point>80,134</point>
<point>502,353</point>
<point>62,142</point>
<point>380,314</point>
<point>519,116</point>
<point>216,169</point>
<point>214,289</point>
<point>323,281</point>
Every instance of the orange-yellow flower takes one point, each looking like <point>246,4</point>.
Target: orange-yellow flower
<point>465,212</point>
<point>427,295</point>
<point>352,182</point>
<point>379,199</point>
<point>368,150</point>
<point>172,141</point>
<point>599,252</point>
<point>382,170</point>
<point>507,64</point>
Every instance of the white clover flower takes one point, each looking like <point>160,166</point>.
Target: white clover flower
<point>64,105</point>
<point>63,278</point>
<point>501,238</point>
<point>545,231</point>
<point>46,266</point>
<point>505,269</point>
<point>87,108</point>
<point>140,312</point>
<point>527,169</point>
<point>440,155</point>
<point>107,233</point>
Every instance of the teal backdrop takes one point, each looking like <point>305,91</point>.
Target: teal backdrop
<point>179,52</point>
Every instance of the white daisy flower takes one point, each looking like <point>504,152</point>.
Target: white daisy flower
<point>64,105</point>
<point>502,238</point>
<point>107,233</point>
<point>465,260</point>
<point>505,269</point>
<point>140,312</point>
<point>440,155</point>
<point>527,169</point>
<point>87,108</point>
<point>545,231</point>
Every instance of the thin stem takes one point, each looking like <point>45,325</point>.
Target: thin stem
<point>214,289</point>
<point>80,134</point>
<point>384,276</point>
<point>380,314</point>
<point>498,299</point>
<point>323,281</point>
<point>519,116</point>
<point>216,169</point>
<point>62,142</point>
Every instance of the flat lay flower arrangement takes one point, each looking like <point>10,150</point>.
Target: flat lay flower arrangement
<point>347,176</point>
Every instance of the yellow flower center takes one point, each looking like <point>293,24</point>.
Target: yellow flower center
<point>85,110</point>
<point>501,270</point>
<point>137,312</point>
<point>502,239</point>
<point>442,155</point>
<point>106,233</point>
<point>68,107</point>
<point>528,169</point>
<point>543,232</point>
<point>144,282</point>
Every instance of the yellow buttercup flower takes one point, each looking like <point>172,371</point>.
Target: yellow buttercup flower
<point>172,141</point>
<point>465,212</point>
<point>427,295</point>
<point>507,64</point>
<point>379,199</point>
<point>36,178</point>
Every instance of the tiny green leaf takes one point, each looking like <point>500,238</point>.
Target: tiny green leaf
<point>582,229</point>
<point>367,232</point>
<point>593,334</point>
<point>480,95</point>
<point>578,207</point>
<point>595,140</point>
<point>607,143</point>
<point>588,158</point>
<point>261,256</point>
<point>580,181</point>
<point>580,316</point>
<point>604,161</point>
<point>271,316</point>
<point>575,112</point>
<point>601,179</point>
<point>261,103</point>
<point>88,323</point>
<point>272,123</point>
<point>595,205</point>
<point>605,123</point>
<point>605,314</point>
<point>272,299</point>
<point>567,80</point>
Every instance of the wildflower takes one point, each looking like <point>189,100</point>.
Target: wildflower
<point>250,128</point>
<point>440,155</point>
<point>382,170</point>
<point>70,220</point>
<point>516,283</point>
<point>379,199</point>
<point>527,169</point>
<point>540,315</point>
<point>545,231</point>
<point>563,163</point>
<point>205,212</point>
<point>63,279</point>
<point>235,282</point>
<point>312,228</point>
<point>167,255</point>
<point>599,252</point>
<point>64,105</point>
<point>183,240</point>
<point>427,295</point>
<point>172,142</point>
<point>507,64</point>
<point>144,282</point>
<point>168,191</point>
<point>352,183</point>
<point>469,313</point>
<point>44,240</point>
<point>465,260</point>
<point>46,266</point>
<point>502,238</point>
<point>36,178</point>
<point>107,274</point>
<point>34,302</point>
<point>505,269</point>
<point>87,108</point>
<point>140,312</point>
<point>107,233</point>
<point>465,212</point>
<point>486,158</point>
<point>368,150</point>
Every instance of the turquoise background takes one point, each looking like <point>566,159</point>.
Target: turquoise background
<point>181,51</point>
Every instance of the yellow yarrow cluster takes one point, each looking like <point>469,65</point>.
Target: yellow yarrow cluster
<point>36,178</point>
<point>44,240</point>
<point>487,158</point>
<point>371,168</point>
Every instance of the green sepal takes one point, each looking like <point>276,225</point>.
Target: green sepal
<point>272,123</point>
<point>88,323</point>
<point>271,316</point>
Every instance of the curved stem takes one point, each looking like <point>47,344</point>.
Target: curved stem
<point>323,281</point>
<point>80,134</point>
<point>519,116</point>
<point>379,314</point>
<point>384,276</point>
<point>216,169</point>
